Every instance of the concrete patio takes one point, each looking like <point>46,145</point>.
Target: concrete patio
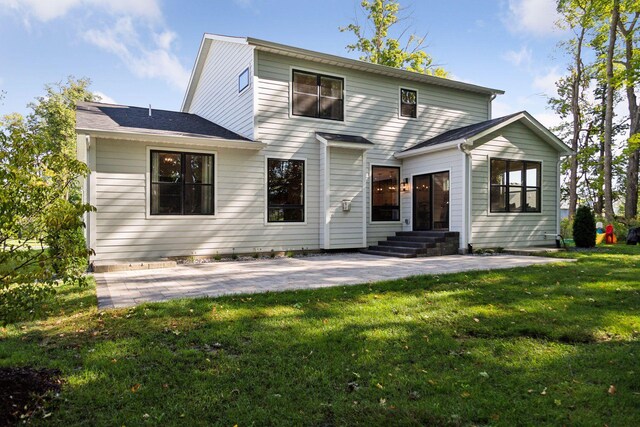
<point>128,288</point>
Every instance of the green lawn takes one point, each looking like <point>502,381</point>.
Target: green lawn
<point>535,346</point>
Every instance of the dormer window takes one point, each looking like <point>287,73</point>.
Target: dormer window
<point>316,95</point>
<point>408,103</point>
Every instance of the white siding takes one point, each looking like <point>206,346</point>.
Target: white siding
<point>441,161</point>
<point>513,229</point>
<point>216,98</point>
<point>125,231</point>
<point>371,110</point>
<point>345,184</point>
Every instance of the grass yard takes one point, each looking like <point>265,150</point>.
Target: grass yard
<point>544,345</point>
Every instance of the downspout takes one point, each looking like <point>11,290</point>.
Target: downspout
<point>558,235</point>
<point>466,199</point>
<point>489,110</point>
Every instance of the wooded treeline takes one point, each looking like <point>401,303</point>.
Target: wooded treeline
<point>598,104</point>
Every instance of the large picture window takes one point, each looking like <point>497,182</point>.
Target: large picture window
<point>515,186</point>
<point>181,183</point>
<point>285,190</point>
<point>385,193</point>
<point>317,95</point>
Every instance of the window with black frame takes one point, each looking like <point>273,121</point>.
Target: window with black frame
<point>317,95</point>
<point>181,183</point>
<point>285,190</point>
<point>408,103</point>
<point>385,193</point>
<point>515,186</point>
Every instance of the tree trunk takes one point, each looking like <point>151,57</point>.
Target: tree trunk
<point>631,198</point>
<point>577,126</point>
<point>608,122</point>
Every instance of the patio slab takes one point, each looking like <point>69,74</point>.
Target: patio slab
<point>129,288</point>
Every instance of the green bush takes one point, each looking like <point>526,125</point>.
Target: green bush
<point>66,242</point>
<point>566,228</point>
<point>584,228</point>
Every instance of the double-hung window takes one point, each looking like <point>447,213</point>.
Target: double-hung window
<point>181,183</point>
<point>408,103</point>
<point>317,95</point>
<point>515,186</point>
<point>285,190</point>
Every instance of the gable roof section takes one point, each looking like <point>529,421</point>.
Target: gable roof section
<point>310,55</point>
<point>96,117</point>
<point>467,135</point>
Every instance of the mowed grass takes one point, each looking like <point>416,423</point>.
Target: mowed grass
<point>544,345</point>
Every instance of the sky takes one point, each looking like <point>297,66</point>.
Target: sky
<point>140,52</point>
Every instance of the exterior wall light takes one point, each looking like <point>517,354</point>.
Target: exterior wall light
<point>404,186</point>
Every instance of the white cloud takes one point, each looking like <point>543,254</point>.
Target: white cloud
<point>102,97</point>
<point>133,30</point>
<point>546,83</point>
<point>156,61</point>
<point>520,57</point>
<point>47,10</point>
<point>536,17</point>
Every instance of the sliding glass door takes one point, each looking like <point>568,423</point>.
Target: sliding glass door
<point>431,201</point>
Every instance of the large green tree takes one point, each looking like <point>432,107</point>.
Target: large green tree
<point>572,102</point>
<point>41,239</point>
<point>630,40</point>
<point>377,46</point>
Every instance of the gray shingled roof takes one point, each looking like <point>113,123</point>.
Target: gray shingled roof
<point>461,133</point>
<point>338,137</point>
<point>124,118</point>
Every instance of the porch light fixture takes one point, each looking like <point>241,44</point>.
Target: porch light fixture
<point>404,186</point>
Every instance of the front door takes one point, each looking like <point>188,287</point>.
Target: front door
<point>431,201</point>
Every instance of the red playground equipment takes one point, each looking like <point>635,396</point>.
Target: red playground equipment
<point>609,235</point>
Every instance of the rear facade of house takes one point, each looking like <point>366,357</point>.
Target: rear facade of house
<point>312,152</point>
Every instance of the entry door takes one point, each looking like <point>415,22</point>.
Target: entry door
<point>431,201</point>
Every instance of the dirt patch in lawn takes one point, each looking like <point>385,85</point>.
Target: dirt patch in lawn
<point>24,391</point>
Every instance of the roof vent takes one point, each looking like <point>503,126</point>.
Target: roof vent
<point>149,110</point>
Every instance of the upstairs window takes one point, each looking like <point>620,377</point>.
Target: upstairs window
<point>243,80</point>
<point>408,103</point>
<point>181,183</point>
<point>285,190</point>
<point>317,95</point>
<point>515,186</point>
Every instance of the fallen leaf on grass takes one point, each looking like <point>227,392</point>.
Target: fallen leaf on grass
<point>380,386</point>
<point>484,374</point>
<point>135,387</point>
<point>612,389</point>
<point>544,392</point>
<point>475,319</point>
<point>465,394</point>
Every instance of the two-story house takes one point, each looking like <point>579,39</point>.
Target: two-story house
<point>281,148</point>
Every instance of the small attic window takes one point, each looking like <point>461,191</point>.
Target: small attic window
<point>243,80</point>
